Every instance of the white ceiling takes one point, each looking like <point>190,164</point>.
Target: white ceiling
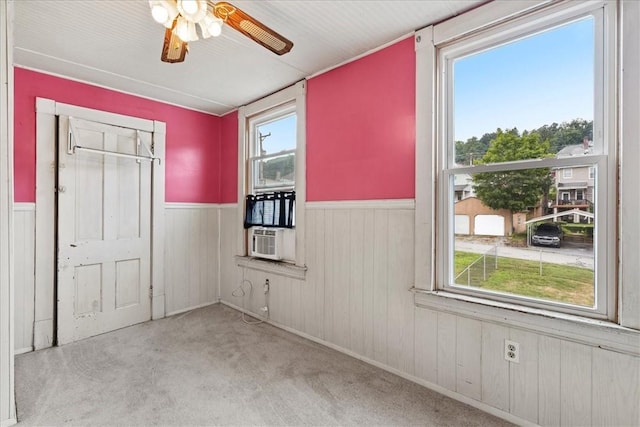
<point>116,44</point>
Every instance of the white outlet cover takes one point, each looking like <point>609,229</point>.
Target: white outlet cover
<point>512,351</point>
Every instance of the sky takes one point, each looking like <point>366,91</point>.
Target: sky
<point>526,84</point>
<point>283,134</point>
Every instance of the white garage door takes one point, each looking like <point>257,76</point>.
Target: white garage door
<point>489,225</point>
<point>462,224</point>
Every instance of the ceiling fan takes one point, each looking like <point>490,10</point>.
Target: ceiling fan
<point>181,16</point>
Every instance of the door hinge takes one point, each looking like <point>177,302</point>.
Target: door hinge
<point>151,292</point>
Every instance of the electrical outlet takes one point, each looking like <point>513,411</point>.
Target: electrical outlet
<point>512,351</point>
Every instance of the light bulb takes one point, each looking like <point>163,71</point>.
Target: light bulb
<point>182,29</point>
<point>215,27</point>
<point>203,30</point>
<point>192,35</point>
<point>212,24</point>
<point>189,6</point>
<point>192,10</point>
<point>160,14</point>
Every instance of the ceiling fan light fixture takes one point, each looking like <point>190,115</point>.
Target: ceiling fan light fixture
<point>173,49</point>
<point>181,16</point>
<point>192,10</point>
<point>163,11</point>
<point>186,30</point>
<point>159,13</point>
<point>212,25</point>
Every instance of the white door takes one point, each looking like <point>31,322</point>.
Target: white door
<point>104,233</point>
<point>489,225</point>
<point>462,224</point>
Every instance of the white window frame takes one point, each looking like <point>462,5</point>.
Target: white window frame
<point>567,173</point>
<point>292,97</point>
<point>501,22</point>
<point>275,114</point>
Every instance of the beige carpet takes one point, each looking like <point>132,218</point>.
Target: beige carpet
<point>206,367</point>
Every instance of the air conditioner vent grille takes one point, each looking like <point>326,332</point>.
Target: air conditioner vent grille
<point>266,243</point>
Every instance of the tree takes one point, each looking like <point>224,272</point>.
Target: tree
<point>469,152</point>
<point>515,190</point>
<point>559,136</point>
<point>568,133</point>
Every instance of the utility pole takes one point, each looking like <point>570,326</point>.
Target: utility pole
<point>261,138</point>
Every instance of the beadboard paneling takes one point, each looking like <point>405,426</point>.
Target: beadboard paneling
<point>608,398</point>
<point>549,405</point>
<point>356,294</point>
<point>24,223</point>
<point>230,275</point>
<point>356,297</point>
<point>494,372</point>
<point>191,257</point>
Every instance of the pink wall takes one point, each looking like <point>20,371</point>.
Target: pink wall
<point>192,145</point>
<point>360,132</point>
<point>361,128</point>
<point>229,158</point>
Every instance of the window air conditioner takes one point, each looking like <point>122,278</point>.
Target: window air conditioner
<point>266,242</point>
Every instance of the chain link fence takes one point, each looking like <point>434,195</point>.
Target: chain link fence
<point>479,270</point>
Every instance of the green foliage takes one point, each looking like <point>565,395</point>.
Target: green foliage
<point>473,149</point>
<point>573,285</point>
<point>578,229</point>
<point>558,136</point>
<point>513,190</point>
<point>279,167</point>
<point>572,133</point>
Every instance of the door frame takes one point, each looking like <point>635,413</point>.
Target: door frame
<point>47,111</point>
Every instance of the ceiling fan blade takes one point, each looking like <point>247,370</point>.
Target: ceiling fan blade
<point>250,27</point>
<point>173,49</point>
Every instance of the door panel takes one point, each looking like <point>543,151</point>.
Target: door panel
<point>104,234</point>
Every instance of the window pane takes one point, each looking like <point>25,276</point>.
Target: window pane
<point>528,233</point>
<point>275,136</point>
<point>542,85</point>
<point>274,172</point>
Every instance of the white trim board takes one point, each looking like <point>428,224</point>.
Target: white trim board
<point>296,93</point>
<point>23,350</point>
<point>364,204</point>
<point>360,56</point>
<point>595,333</point>
<point>181,205</point>
<point>431,386</point>
<point>7,285</point>
<point>184,310</point>
<point>46,131</point>
<point>229,205</point>
<point>275,267</point>
<point>137,95</point>
<point>24,207</point>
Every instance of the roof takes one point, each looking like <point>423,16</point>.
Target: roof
<point>563,213</point>
<point>574,150</point>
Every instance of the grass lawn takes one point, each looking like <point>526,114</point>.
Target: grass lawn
<point>563,283</point>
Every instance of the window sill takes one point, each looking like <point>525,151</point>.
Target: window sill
<point>280,268</point>
<point>587,331</point>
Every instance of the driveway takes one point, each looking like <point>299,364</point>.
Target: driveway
<point>576,257</point>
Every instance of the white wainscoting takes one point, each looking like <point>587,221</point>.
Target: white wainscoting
<point>191,255</point>
<point>24,226</point>
<point>191,262</point>
<point>356,298</point>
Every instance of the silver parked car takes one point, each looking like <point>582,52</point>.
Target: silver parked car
<point>547,234</point>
